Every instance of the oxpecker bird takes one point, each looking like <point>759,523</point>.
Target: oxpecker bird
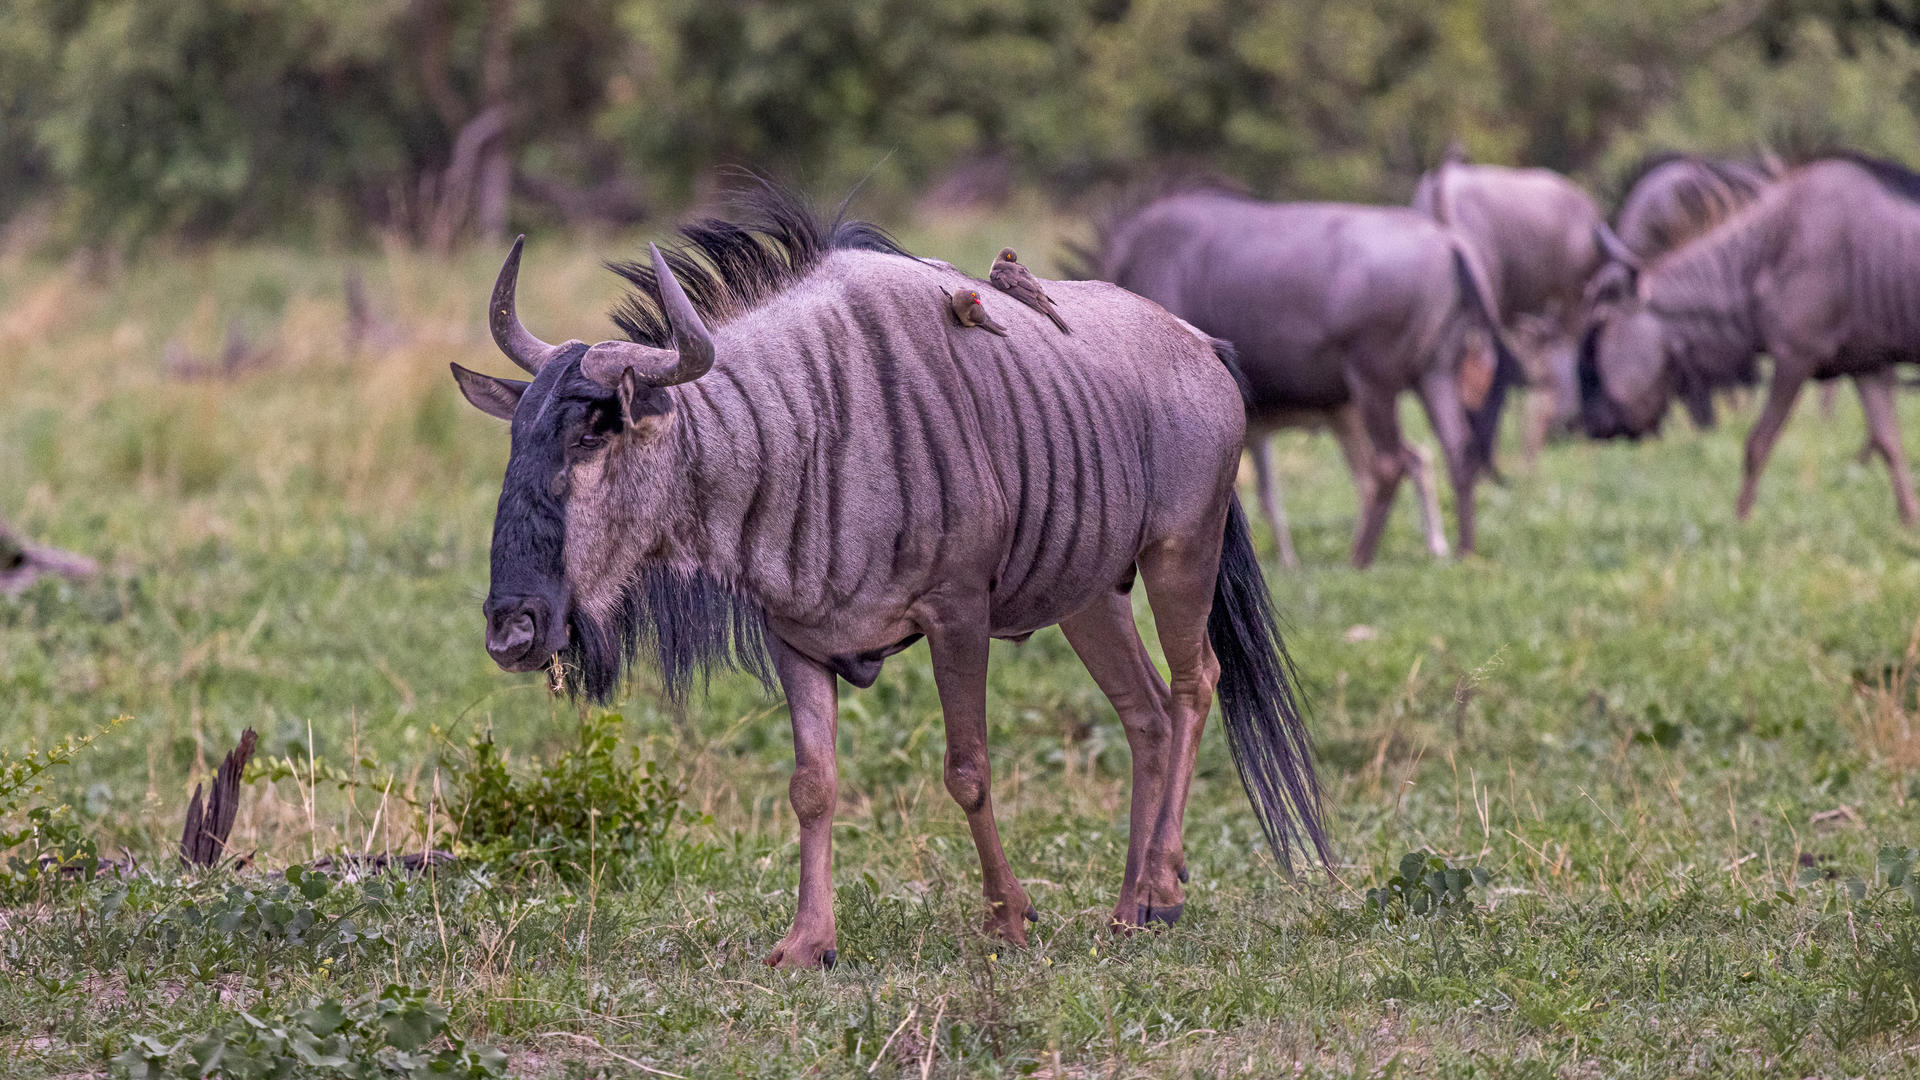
<point>971,312</point>
<point>1016,281</point>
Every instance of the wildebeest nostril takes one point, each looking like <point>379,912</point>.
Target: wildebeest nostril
<point>511,634</point>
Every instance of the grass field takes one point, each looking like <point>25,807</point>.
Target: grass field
<point>1677,745</point>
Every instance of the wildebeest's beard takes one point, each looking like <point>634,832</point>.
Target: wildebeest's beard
<point>691,623</point>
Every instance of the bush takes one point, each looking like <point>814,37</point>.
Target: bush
<point>594,810</point>
<point>41,842</point>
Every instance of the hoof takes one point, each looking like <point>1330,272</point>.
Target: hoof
<point>802,954</point>
<point>1165,916</point>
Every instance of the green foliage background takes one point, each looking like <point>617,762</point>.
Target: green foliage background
<point>310,118</point>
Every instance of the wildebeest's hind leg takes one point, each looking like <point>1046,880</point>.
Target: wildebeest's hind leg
<point>1260,448</point>
<point>958,639</point>
<point>1387,464</point>
<point>1781,394</point>
<point>1108,643</point>
<point>813,700</point>
<point>1179,578</point>
<point>1883,434</point>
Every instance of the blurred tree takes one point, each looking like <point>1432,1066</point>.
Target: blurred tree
<point>439,119</point>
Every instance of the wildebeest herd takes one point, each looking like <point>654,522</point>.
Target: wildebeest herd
<point>812,449</point>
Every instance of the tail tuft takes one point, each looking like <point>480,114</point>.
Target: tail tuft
<point>1272,749</point>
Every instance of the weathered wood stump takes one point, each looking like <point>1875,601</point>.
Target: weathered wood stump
<point>204,840</point>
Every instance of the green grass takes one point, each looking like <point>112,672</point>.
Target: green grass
<point>1639,716</point>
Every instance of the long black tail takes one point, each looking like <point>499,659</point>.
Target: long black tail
<point>1484,422</point>
<point>1271,746</point>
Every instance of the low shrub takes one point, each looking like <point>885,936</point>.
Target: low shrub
<point>42,842</point>
<point>596,809</point>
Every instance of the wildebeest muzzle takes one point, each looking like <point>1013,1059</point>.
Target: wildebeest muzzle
<point>523,631</point>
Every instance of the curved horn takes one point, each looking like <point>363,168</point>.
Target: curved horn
<point>1616,248</point>
<point>690,357</point>
<point>520,346</point>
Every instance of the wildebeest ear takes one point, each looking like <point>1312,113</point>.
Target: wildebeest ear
<point>628,390</point>
<point>495,397</point>
<point>643,409</point>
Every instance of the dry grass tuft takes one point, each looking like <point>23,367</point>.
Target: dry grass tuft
<point>1886,712</point>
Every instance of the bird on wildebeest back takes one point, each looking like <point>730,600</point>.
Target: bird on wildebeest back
<point>970,311</point>
<point>1018,282</point>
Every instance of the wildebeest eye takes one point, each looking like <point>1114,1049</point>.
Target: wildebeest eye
<point>590,440</point>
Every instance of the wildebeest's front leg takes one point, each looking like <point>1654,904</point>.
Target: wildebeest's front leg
<point>1782,392</point>
<point>1260,448</point>
<point>813,700</point>
<point>1441,397</point>
<point>1108,643</point>
<point>958,640</point>
<point>1883,434</point>
<point>1351,433</point>
<point>1387,465</point>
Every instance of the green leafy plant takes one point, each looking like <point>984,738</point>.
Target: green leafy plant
<point>596,808</point>
<point>261,919</point>
<point>42,842</point>
<point>1896,865</point>
<point>390,1034</point>
<point>1427,885</point>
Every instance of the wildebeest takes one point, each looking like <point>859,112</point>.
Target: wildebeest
<point>800,462</point>
<point>1539,238</point>
<point>1333,310</point>
<point>1673,198</point>
<point>1821,271</point>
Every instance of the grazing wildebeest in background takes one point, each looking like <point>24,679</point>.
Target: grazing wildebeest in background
<point>1539,239</point>
<point>1821,271</point>
<point>1333,310</point>
<point>1671,200</point>
<point>801,460</point>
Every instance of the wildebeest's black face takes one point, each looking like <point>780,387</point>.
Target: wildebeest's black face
<point>560,421</point>
<point>1625,381</point>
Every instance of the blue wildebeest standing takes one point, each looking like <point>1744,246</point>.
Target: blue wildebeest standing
<point>800,460</point>
<point>1539,238</point>
<point>1671,200</point>
<point>1333,311</point>
<point>1821,271</point>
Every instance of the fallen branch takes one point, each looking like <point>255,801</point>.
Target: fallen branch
<point>21,563</point>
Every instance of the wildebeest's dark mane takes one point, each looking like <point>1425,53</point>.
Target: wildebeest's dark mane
<point>729,267</point>
<point>1083,261</point>
<point>692,623</point>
